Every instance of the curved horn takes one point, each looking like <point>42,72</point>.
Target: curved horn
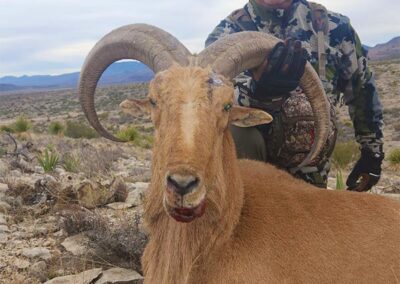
<point>148,44</point>
<point>241,51</point>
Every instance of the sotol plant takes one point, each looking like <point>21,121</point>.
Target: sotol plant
<point>48,160</point>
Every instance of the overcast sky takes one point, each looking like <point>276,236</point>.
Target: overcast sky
<point>53,36</point>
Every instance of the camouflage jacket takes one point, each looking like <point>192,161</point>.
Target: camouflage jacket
<point>346,63</point>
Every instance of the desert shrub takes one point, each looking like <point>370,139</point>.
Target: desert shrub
<point>56,128</point>
<point>345,153</point>
<point>21,125</point>
<point>6,128</point>
<point>145,141</point>
<point>125,238</point>
<point>97,161</point>
<point>79,130</point>
<point>48,160</point>
<point>129,133</point>
<point>104,115</point>
<point>394,157</point>
<point>70,163</point>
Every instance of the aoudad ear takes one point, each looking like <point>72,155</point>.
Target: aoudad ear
<point>248,117</point>
<point>136,107</point>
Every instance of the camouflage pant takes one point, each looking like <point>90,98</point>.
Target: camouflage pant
<point>287,140</point>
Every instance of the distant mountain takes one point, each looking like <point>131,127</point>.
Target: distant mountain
<point>117,73</point>
<point>8,87</point>
<point>386,51</point>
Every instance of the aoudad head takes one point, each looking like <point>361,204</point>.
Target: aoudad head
<point>191,105</point>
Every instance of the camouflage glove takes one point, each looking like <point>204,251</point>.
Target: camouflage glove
<point>281,71</point>
<point>367,171</point>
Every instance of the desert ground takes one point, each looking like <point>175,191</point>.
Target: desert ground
<point>71,202</point>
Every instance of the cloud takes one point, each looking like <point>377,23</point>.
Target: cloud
<point>66,52</point>
<point>37,36</point>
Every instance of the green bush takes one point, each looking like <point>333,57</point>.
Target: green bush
<point>6,128</point>
<point>79,130</point>
<point>144,141</point>
<point>21,125</point>
<point>394,157</point>
<point>71,163</point>
<point>345,153</point>
<point>56,128</point>
<point>48,160</point>
<point>129,133</point>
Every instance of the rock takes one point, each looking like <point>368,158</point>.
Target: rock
<point>39,170</point>
<point>137,185</point>
<point>38,270</point>
<point>120,276</point>
<point>4,229</point>
<point>91,195</point>
<point>21,263</point>
<point>16,173</point>
<point>60,171</point>
<point>118,187</point>
<point>4,207</point>
<point>38,252</point>
<point>77,245</point>
<point>119,205</point>
<point>136,197</point>
<point>3,187</point>
<point>3,220</point>
<point>85,277</point>
<point>3,238</point>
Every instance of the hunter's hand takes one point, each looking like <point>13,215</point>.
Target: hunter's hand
<point>367,171</point>
<point>281,71</point>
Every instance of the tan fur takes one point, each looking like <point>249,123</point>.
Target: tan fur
<point>261,225</point>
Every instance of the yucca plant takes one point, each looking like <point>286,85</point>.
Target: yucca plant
<point>48,160</point>
<point>56,128</point>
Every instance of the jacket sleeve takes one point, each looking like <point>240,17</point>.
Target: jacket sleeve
<point>225,27</point>
<point>360,92</point>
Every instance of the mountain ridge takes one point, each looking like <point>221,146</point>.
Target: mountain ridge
<point>117,73</point>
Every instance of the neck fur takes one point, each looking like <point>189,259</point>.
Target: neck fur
<point>175,248</point>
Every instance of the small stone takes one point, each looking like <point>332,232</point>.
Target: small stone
<point>16,173</point>
<point>4,229</point>
<point>3,187</point>
<point>119,205</point>
<point>59,171</point>
<point>41,231</point>
<point>4,207</point>
<point>136,197</point>
<point>38,270</point>
<point>120,275</point>
<point>21,263</point>
<point>77,245</point>
<point>85,277</point>
<point>3,220</point>
<point>38,252</point>
<point>3,238</point>
<point>39,170</point>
